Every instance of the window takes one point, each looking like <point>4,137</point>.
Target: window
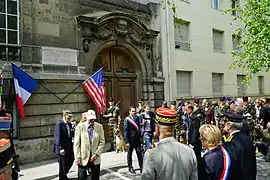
<point>235,4</point>
<point>9,30</point>
<point>183,79</point>
<point>181,36</point>
<point>261,85</point>
<point>217,84</point>
<point>215,4</point>
<point>218,40</point>
<point>240,86</point>
<point>235,42</point>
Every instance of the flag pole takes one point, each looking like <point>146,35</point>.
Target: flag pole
<point>51,92</point>
<point>80,85</point>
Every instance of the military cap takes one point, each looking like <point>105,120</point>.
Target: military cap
<point>67,112</point>
<point>233,117</point>
<point>245,99</point>
<point>110,99</point>
<point>228,99</point>
<point>5,123</point>
<point>166,116</point>
<point>5,153</point>
<point>173,102</point>
<point>222,99</point>
<point>140,100</point>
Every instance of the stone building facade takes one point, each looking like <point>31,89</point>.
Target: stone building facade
<point>61,43</point>
<point>196,60</point>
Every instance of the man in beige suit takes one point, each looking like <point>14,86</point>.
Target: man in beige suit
<point>88,145</point>
<point>170,160</point>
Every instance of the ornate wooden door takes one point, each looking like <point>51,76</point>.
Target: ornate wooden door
<point>120,77</point>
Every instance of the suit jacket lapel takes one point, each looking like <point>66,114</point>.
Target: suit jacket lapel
<point>65,127</point>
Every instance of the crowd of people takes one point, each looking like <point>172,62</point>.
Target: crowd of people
<point>194,140</point>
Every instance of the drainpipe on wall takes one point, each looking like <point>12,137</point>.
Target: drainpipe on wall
<point>168,50</point>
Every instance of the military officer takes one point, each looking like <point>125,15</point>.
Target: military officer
<point>140,107</point>
<point>170,159</point>
<point>112,114</point>
<point>240,149</point>
<point>6,159</point>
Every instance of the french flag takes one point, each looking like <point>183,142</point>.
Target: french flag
<point>24,87</point>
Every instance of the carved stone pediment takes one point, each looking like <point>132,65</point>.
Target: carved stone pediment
<point>113,26</point>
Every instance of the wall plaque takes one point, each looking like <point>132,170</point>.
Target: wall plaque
<point>59,56</point>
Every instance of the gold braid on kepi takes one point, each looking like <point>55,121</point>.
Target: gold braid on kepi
<point>5,153</point>
<point>166,116</point>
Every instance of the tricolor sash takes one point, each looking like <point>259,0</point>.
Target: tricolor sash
<point>226,164</point>
<point>132,123</point>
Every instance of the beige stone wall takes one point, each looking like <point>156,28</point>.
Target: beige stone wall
<point>202,60</point>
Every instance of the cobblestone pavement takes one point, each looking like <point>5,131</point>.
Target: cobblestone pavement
<point>113,167</point>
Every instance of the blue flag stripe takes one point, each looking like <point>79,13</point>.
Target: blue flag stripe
<point>25,81</point>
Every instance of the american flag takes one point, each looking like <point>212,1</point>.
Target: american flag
<point>94,86</point>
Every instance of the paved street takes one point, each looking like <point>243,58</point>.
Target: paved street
<point>113,168</point>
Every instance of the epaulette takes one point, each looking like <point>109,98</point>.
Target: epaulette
<point>228,139</point>
<point>149,150</point>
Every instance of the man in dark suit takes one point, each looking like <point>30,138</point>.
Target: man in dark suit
<point>240,148</point>
<point>132,137</point>
<point>194,141</point>
<point>265,113</point>
<point>63,147</point>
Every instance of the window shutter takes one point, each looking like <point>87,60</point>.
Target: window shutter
<point>177,35</point>
<point>217,40</point>
<point>241,87</point>
<point>217,84</point>
<point>261,85</point>
<point>183,83</point>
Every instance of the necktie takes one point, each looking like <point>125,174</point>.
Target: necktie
<point>90,132</point>
<point>68,129</point>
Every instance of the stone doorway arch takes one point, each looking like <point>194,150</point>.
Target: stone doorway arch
<point>123,33</point>
<point>122,76</point>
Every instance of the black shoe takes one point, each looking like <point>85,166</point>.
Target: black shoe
<point>131,170</point>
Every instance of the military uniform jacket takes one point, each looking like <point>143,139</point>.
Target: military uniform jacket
<point>170,160</point>
<point>243,159</point>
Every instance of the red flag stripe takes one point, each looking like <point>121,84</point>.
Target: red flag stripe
<point>95,89</point>
<point>86,86</point>
<point>92,94</point>
<point>96,93</point>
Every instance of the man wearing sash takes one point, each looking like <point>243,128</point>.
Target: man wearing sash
<point>132,137</point>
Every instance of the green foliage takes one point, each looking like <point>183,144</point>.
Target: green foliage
<point>253,52</point>
<point>172,6</point>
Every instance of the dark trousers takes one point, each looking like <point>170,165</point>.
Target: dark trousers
<point>65,163</point>
<point>139,155</point>
<point>95,171</point>
<point>262,147</point>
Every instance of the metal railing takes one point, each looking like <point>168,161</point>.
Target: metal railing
<point>10,52</point>
<point>185,46</point>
